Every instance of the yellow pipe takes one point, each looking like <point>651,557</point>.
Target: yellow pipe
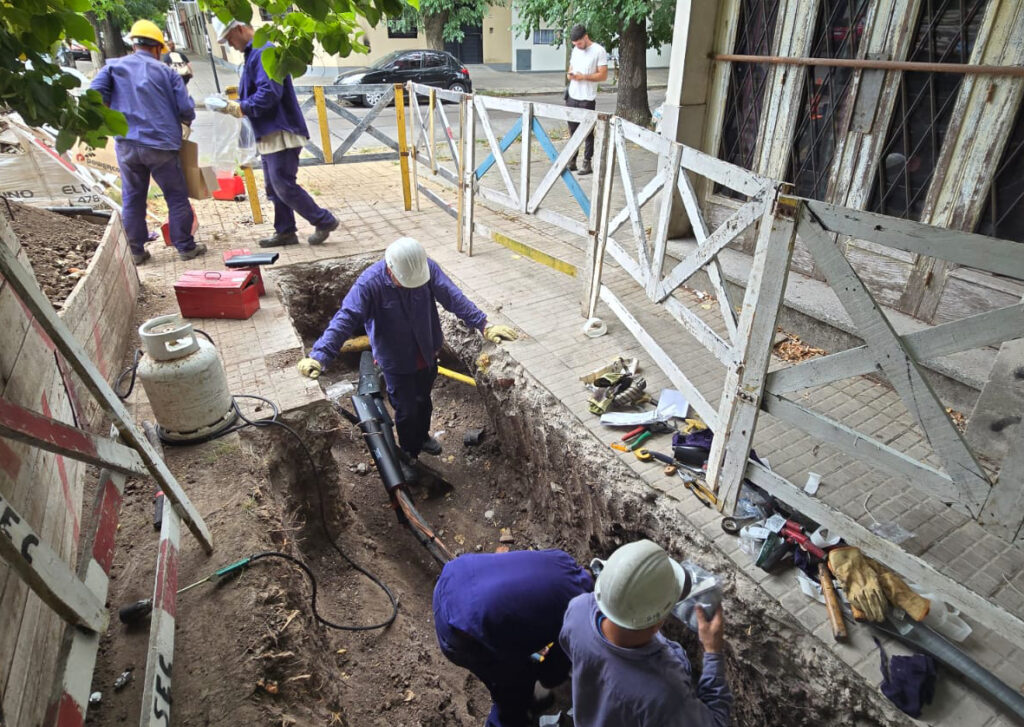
<point>362,343</point>
<point>456,375</point>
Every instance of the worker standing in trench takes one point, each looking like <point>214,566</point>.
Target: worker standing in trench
<point>499,614</point>
<point>396,300</point>
<point>624,672</point>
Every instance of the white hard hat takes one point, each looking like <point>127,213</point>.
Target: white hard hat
<point>639,584</point>
<point>223,29</point>
<point>408,262</point>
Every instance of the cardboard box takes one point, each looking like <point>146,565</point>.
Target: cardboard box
<point>201,181</point>
<point>103,159</point>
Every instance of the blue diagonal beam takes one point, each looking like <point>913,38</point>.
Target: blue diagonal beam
<point>505,143</point>
<point>570,181</point>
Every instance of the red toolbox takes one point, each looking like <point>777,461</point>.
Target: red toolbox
<point>228,254</point>
<point>165,228</point>
<point>230,187</point>
<point>217,294</point>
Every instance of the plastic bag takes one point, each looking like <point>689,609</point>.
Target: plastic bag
<point>225,142</point>
<point>705,591</point>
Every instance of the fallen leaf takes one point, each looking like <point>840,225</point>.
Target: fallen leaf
<point>409,695</point>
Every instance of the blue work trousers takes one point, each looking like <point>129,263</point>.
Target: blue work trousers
<point>279,170</point>
<point>509,678</point>
<point>138,163</point>
<point>410,397</point>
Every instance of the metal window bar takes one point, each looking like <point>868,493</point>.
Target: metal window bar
<point>1004,211</point>
<point>745,100</point>
<point>840,28</point>
<point>946,31</point>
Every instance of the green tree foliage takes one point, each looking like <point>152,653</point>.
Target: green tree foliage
<point>334,23</point>
<point>630,26</point>
<point>31,82</point>
<point>443,20</point>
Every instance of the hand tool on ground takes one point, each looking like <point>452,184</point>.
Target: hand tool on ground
<point>699,489</point>
<point>619,447</point>
<point>835,612</point>
<point>645,455</point>
<point>140,609</point>
<point>633,433</point>
<point>637,441</point>
<point>795,534</point>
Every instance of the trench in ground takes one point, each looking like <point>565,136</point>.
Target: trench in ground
<point>554,486</point>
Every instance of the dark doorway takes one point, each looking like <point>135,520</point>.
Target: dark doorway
<point>471,49</point>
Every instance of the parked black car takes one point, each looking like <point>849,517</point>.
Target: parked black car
<point>429,67</point>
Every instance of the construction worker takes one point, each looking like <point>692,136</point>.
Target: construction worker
<point>280,129</point>
<point>624,672</point>
<point>396,300</point>
<point>499,614</point>
<point>155,103</point>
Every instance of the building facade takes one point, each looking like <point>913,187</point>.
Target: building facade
<point>943,146</point>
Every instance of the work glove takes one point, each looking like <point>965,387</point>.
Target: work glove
<point>186,131</point>
<point>899,593</point>
<point>233,109</point>
<point>310,367</point>
<point>498,333</point>
<point>860,582</point>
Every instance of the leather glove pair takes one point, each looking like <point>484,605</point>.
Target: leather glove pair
<point>310,368</point>
<point>871,587</point>
<point>498,333</point>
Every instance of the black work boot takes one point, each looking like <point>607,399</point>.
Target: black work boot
<point>139,258</point>
<point>280,239</point>
<point>431,446</point>
<point>322,233</point>
<point>585,168</point>
<point>410,473</point>
<point>571,166</point>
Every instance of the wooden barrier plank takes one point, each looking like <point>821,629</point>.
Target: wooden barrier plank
<point>54,436</point>
<point>48,319</point>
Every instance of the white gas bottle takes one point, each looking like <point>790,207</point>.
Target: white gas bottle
<point>184,381</point>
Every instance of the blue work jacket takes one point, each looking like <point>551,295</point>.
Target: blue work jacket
<point>511,604</point>
<point>402,323</point>
<point>269,105</point>
<point>151,96</point>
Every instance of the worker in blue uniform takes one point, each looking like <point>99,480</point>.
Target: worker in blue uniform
<point>395,299</point>
<point>281,132</point>
<point>154,101</point>
<point>499,615</point>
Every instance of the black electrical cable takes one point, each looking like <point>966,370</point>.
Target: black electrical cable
<point>273,420</point>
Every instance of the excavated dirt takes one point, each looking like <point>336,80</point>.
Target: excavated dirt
<point>538,473</point>
<point>58,247</point>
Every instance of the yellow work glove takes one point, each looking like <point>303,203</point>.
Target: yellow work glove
<point>860,581</point>
<point>310,367</point>
<point>233,109</point>
<point>498,333</point>
<point>899,593</point>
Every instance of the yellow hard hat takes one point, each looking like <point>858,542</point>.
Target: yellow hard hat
<point>148,30</point>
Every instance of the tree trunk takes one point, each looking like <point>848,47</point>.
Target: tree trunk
<point>433,28</point>
<point>113,45</point>
<point>98,56</point>
<point>631,102</point>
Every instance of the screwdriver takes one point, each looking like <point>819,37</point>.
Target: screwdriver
<point>134,612</point>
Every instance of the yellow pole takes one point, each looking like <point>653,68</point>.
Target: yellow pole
<point>325,131</point>
<point>403,146</point>
<point>247,175</point>
<point>456,375</point>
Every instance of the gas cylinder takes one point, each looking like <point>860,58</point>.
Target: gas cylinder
<point>184,380</point>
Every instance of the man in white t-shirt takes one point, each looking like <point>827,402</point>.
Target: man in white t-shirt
<point>588,66</point>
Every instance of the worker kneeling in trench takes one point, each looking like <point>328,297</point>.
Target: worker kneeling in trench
<point>515,619</point>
